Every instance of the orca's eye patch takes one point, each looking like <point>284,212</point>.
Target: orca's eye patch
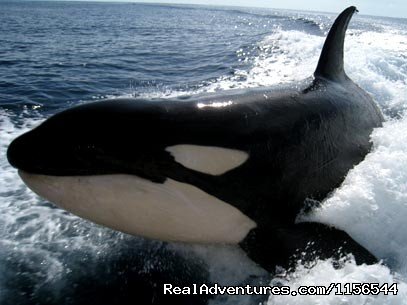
<point>210,160</point>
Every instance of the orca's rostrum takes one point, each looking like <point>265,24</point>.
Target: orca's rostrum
<point>232,167</point>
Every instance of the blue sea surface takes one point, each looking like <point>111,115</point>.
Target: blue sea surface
<point>54,55</point>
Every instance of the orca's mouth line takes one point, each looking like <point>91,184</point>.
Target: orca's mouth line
<point>67,173</point>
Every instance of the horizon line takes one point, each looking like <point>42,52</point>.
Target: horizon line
<point>201,4</point>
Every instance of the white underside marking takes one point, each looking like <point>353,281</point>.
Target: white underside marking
<point>208,159</point>
<point>172,211</point>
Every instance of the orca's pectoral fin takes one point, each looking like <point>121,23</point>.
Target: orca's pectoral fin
<point>307,241</point>
<point>330,64</point>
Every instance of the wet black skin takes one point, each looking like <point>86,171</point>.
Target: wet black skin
<point>301,143</point>
<point>301,140</point>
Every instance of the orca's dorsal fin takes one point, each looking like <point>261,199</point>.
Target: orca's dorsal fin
<point>330,64</point>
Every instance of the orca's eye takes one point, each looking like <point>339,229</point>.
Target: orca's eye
<point>87,151</point>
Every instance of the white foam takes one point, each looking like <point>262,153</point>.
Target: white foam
<point>323,274</point>
<point>376,62</point>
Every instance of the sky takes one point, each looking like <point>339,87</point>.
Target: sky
<point>391,8</point>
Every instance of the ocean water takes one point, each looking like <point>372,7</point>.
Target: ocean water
<point>54,55</point>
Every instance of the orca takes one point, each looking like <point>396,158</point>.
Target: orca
<point>232,167</point>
